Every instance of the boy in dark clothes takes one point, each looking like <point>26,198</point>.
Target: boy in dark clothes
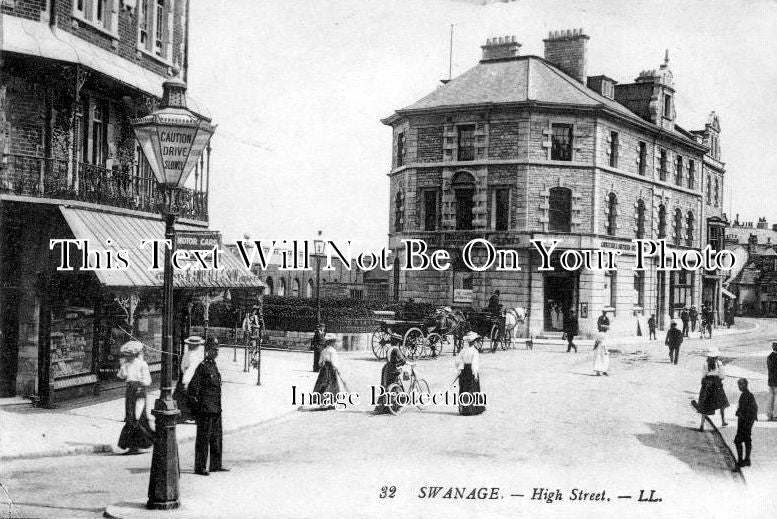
<point>747,414</point>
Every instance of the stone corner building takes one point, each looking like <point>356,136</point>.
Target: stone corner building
<point>522,147</point>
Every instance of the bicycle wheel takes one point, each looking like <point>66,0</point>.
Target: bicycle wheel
<point>393,404</point>
<point>507,344</point>
<point>421,387</point>
<point>380,343</point>
<point>413,343</point>
<point>496,338</point>
<point>435,341</point>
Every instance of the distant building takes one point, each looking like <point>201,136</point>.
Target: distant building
<point>525,147</point>
<point>754,281</point>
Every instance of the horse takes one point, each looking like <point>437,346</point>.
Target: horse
<point>448,321</point>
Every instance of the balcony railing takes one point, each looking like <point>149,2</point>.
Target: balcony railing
<point>118,187</point>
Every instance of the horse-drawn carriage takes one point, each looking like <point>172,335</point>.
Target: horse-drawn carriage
<point>429,337</point>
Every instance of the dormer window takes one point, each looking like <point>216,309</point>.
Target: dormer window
<point>667,106</point>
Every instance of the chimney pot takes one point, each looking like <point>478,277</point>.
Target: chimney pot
<point>500,47</point>
<point>566,49</point>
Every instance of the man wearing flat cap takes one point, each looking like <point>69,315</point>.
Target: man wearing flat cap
<point>205,394</point>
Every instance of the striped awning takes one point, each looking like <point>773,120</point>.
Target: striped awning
<point>125,232</point>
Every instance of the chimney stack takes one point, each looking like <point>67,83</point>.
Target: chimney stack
<point>502,47</point>
<point>567,51</point>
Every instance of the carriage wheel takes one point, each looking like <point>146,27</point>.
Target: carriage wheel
<point>413,343</point>
<point>421,387</point>
<point>393,405</point>
<point>380,344</point>
<point>496,338</point>
<point>435,343</point>
<point>507,344</point>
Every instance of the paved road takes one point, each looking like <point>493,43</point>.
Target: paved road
<point>550,425</point>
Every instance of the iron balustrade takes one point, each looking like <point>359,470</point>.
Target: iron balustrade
<point>40,177</point>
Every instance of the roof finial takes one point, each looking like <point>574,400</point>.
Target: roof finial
<point>666,58</point>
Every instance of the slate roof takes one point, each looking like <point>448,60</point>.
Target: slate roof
<point>749,276</point>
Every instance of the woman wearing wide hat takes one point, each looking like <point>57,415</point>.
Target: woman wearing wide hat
<point>136,433</point>
<point>711,396</point>
<point>194,355</point>
<point>390,374</point>
<point>327,381</point>
<point>468,364</point>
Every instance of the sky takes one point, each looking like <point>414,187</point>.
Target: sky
<point>298,88</point>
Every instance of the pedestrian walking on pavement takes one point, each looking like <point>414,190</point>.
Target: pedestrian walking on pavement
<point>684,317</point>
<point>468,364</point>
<point>195,353</point>
<point>771,367</point>
<point>389,375</point>
<point>603,323</point>
<point>570,329</point>
<point>601,354</point>
<point>205,394</point>
<point>674,338</point>
<point>693,315</point>
<point>136,433</point>
<point>327,381</point>
<point>317,344</point>
<point>747,414</point>
<point>652,327</point>
<point>711,395</point>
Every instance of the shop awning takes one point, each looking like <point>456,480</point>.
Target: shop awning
<point>126,232</point>
<point>727,294</point>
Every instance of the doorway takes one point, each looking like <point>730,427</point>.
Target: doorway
<point>561,296</point>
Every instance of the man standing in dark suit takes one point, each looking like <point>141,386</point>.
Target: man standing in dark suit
<point>771,367</point>
<point>317,344</point>
<point>603,323</point>
<point>674,338</point>
<point>747,414</point>
<point>205,393</point>
<point>684,317</point>
<point>570,329</point>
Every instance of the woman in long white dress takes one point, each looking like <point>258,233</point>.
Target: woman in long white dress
<point>601,355</point>
<point>136,433</point>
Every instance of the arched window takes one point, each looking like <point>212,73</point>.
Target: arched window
<point>282,288</point>
<point>560,209</point>
<point>678,227</point>
<point>295,288</point>
<point>270,286</point>
<point>640,231</point>
<point>689,229</point>
<point>464,187</point>
<point>612,214</point>
<point>716,192</point>
<point>661,221</point>
<point>309,289</point>
<point>398,211</point>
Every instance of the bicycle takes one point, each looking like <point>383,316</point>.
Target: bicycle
<point>415,388</point>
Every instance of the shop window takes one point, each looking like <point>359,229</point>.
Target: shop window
<point>691,174</point>
<point>153,27</point>
<point>640,231</point>
<point>662,165</point>
<point>72,333</point>
<point>561,142</point>
<point>642,159</point>
<point>400,149</point>
<point>678,173</point>
<point>398,211</point>
<point>678,227</point>
<point>614,147</point>
<point>689,224</point>
<point>466,141</point>
<point>612,214</point>
<point>501,209</point>
<point>560,209</point>
<point>661,221</point>
<point>681,284</point>
<point>431,204</point>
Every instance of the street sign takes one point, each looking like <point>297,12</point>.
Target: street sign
<point>197,240</point>
<point>462,295</point>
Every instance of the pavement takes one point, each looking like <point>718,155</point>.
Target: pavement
<point>83,428</point>
<point>550,425</point>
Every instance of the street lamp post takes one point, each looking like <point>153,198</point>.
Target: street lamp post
<point>318,245</point>
<point>172,140</point>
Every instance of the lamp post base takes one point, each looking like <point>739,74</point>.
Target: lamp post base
<point>163,491</point>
